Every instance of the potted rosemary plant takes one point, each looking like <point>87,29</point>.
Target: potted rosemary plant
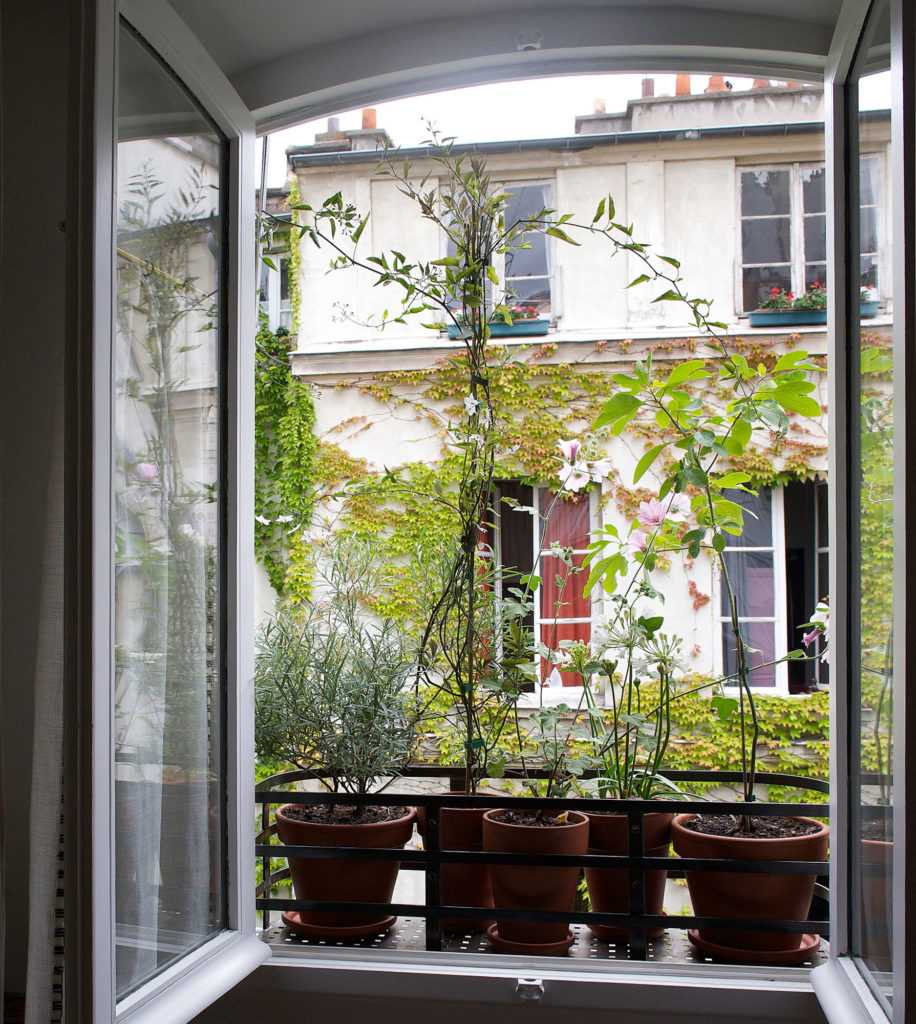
<point>332,696</point>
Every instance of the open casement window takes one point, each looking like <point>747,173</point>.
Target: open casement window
<point>526,541</point>
<point>173,542</point>
<point>873,895</point>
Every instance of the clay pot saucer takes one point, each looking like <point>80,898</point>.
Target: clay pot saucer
<point>808,945</point>
<point>345,932</point>
<point>501,945</point>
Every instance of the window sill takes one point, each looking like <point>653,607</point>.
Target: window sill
<point>642,992</point>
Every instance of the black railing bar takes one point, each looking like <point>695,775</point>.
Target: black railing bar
<point>575,917</point>
<point>635,849</point>
<point>594,804</point>
<point>675,774</point>
<point>593,860</point>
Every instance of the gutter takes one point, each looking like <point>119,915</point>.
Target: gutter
<point>303,156</point>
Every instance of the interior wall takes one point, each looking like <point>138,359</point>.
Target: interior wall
<point>34,173</point>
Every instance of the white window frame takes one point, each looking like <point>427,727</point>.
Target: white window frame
<point>187,987</point>
<point>780,612</point>
<point>798,261</point>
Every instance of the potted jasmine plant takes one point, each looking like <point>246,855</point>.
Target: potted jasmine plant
<point>332,696</point>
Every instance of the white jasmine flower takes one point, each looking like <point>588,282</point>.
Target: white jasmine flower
<point>471,405</point>
<point>284,519</point>
<point>263,520</point>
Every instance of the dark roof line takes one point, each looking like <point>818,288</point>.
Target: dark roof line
<point>306,156</point>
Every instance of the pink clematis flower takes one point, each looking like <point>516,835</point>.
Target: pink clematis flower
<point>573,477</point>
<point>638,540</point>
<point>570,450</point>
<point>146,471</point>
<point>651,514</point>
<point>810,637</point>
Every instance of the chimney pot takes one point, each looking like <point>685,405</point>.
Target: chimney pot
<point>369,119</point>
<point>761,83</point>
<point>333,125</point>
<point>682,85</point>
<point>600,107</point>
<point>648,88</point>
<point>717,84</point>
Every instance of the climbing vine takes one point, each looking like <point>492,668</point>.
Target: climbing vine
<point>285,451</point>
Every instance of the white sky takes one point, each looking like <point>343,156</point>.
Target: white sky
<point>533,109</point>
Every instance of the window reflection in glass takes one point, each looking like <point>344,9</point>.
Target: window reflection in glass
<point>167,521</point>
<point>872,519</point>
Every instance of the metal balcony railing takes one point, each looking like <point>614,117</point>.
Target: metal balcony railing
<point>431,859</point>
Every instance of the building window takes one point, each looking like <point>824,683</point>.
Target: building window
<point>753,568</point>
<point>526,274</point>
<point>778,573</point>
<point>274,292</point>
<point>285,314</point>
<point>784,228</point>
<point>807,582</point>
<point>531,523</point>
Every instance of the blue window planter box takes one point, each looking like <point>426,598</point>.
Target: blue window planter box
<point>518,329</point>
<point>800,317</point>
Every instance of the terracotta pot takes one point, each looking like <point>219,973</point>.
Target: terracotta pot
<point>534,888</point>
<point>350,880</point>
<point>877,903</point>
<point>766,897</point>
<point>462,885</point>
<point>609,888</point>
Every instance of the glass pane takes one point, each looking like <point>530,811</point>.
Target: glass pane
<point>871,516</point>
<point>816,238</point>
<point>868,239</point>
<point>868,181</point>
<point>284,280</point>
<point>529,262</point>
<point>569,519</point>
<point>761,637</point>
<point>813,189</point>
<point>815,273</point>
<point>758,518</point>
<point>766,240</point>
<point>758,282</point>
<point>563,589</point>
<point>868,271</point>
<point>764,192</point>
<point>752,580</point>
<point>168,515</point>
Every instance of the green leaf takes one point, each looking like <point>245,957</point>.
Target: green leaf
<point>791,401</point>
<point>361,227</point>
<point>732,479</point>
<point>639,280</point>
<point>622,404</point>
<point>268,262</point>
<point>646,461</point>
<point>599,213</point>
<point>691,369</point>
<point>671,261</point>
<point>718,542</point>
<point>725,707</point>
<point>491,274</point>
<point>668,296</point>
<point>556,232</point>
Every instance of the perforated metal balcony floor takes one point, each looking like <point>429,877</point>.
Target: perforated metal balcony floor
<point>408,935</point>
